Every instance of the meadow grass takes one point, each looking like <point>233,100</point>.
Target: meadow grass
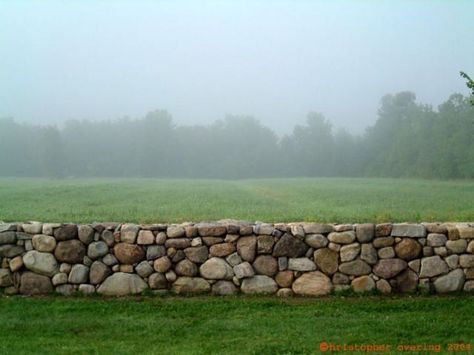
<point>272,200</point>
<point>205,325</point>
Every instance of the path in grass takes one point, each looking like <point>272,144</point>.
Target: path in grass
<point>272,200</point>
<point>230,326</point>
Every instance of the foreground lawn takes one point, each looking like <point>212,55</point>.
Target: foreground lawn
<point>228,325</point>
<point>272,200</point>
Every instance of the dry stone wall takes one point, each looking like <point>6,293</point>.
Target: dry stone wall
<point>230,257</point>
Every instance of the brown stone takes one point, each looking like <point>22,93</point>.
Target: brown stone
<point>355,268</point>
<point>145,237</point>
<point>327,260</point>
<point>70,251</point>
<point>265,265</point>
<point>222,249</point>
<point>284,278</point>
<point>383,229</point>
<point>212,240</point>
<point>34,284</point>
<point>186,268</point>
<point>129,253</point>
<point>247,248</point>
<point>66,232</point>
<point>197,254</point>
<point>211,230</point>
<point>265,244</point>
<point>408,249</point>
<point>162,264</point>
<point>383,242</point>
<point>312,283</point>
<point>290,246</point>
<point>407,281</point>
<point>178,243</point>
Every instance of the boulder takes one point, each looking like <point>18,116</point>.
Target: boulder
<point>145,237</point>
<point>363,284</point>
<point>312,283</point>
<point>186,268</point>
<point>40,263</point>
<point>466,260</point>
<point>122,284</point>
<point>247,248</point>
<point>162,264</point>
<point>349,252</point>
<point>301,264</point>
<point>16,263</point>
<point>346,237</point>
<point>450,282</point>
<point>85,234</point>
<point>368,253</point>
<point>197,255</point>
<point>222,249</point>
<point>44,243</point>
<point>265,244</point>
<point>157,281</point>
<point>79,274</point>
<point>408,230</point>
<point>186,285</point>
<point>8,237</point>
<point>433,266</point>
<point>216,269</point>
<point>365,232</point>
<point>265,265</point>
<point>224,288</point>
<point>317,228</point>
<point>98,249</point>
<point>5,278</point>
<point>407,281</point>
<point>178,243</point>
<point>243,270</point>
<point>290,246</point>
<point>65,232</point>
<point>383,242</point>
<point>316,241</point>
<point>284,278</point>
<point>70,251</point>
<point>155,251</point>
<point>259,284</point>
<point>457,246</point>
<point>211,229</point>
<point>327,260</point>
<point>98,272</point>
<point>34,284</point>
<point>388,268</point>
<point>175,232</point>
<point>128,233</point>
<point>436,240</point>
<point>10,250</point>
<point>32,227</point>
<point>355,268</point>
<point>408,249</point>
<point>129,253</point>
<point>144,269</point>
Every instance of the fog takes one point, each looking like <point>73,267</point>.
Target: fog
<point>200,60</point>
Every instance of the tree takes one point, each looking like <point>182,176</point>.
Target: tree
<point>469,84</point>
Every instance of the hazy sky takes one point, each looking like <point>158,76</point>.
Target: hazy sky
<point>275,60</point>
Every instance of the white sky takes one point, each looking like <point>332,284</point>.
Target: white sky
<point>275,60</point>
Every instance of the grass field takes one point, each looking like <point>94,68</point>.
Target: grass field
<point>272,200</point>
<point>228,326</point>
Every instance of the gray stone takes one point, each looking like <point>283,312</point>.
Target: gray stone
<point>216,269</point>
<point>340,279</point>
<point>436,240</point>
<point>457,246</point>
<point>96,250</point>
<point>415,265</point>
<point>59,279</point>
<point>301,264</point>
<point>122,284</point>
<point>8,237</point>
<point>32,227</point>
<point>110,260</point>
<point>10,251</point>
<point>86,289</point>
<point>355,268</point>
<point>346,237</point>
<point>34,284</point>
<point>312,283</point>
<point>349,252</point>
<point>197,254</point>
<point>316,241</point>
<point>290,246</point>
<point>468,286</point>
<point>365,232</point>
<point>388,268</point>
<point>98,272</point>
<point>175,232</point>
<point>383,286</point>
<point>282,263</point>
<point>408,230</point>
<point>129,233</point>
<point>44,243</point>
<point>259,284</point>
<point>85,233</point>
<point>368,254</point>
<point>263,229</point>
<point>189,285</point>
<point>155,251</point>
<point>450,282</point>
<point>224,288</point>
<point>40,263</point>
<point>178,243</point>
<point>6,227</point>
<point>452,261</point>
<point>234,259</point>
<point>144,269</point>
<point>433,266</point>
<point>65,290</point>
<point>79,274</point>
<point>317,228</point>
<point>243,270</point>
<point>107,237</point>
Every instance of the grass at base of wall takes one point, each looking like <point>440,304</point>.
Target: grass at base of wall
<point>342,200</point>
<point>240,325</point>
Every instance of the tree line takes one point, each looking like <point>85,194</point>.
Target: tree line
<point>408,139</point>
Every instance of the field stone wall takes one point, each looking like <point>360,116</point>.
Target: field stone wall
<point>230,257</point>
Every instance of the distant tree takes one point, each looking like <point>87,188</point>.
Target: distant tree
<point>469,84</point>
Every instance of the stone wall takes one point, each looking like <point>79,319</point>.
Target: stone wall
<point>229,257</point>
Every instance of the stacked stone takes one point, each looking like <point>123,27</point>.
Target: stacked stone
<point>227,257</point>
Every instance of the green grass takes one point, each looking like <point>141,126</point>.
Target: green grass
<point>228,326</point>
<point>272,200</point>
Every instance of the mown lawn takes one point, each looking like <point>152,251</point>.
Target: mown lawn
<point>271,200</point>
<point>203,325</point>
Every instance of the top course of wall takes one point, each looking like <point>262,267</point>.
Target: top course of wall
<point>228,257</point>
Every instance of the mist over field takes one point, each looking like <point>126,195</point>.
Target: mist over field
<point>216,89</point>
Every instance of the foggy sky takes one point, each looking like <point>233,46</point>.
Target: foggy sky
<point>201,60</point>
